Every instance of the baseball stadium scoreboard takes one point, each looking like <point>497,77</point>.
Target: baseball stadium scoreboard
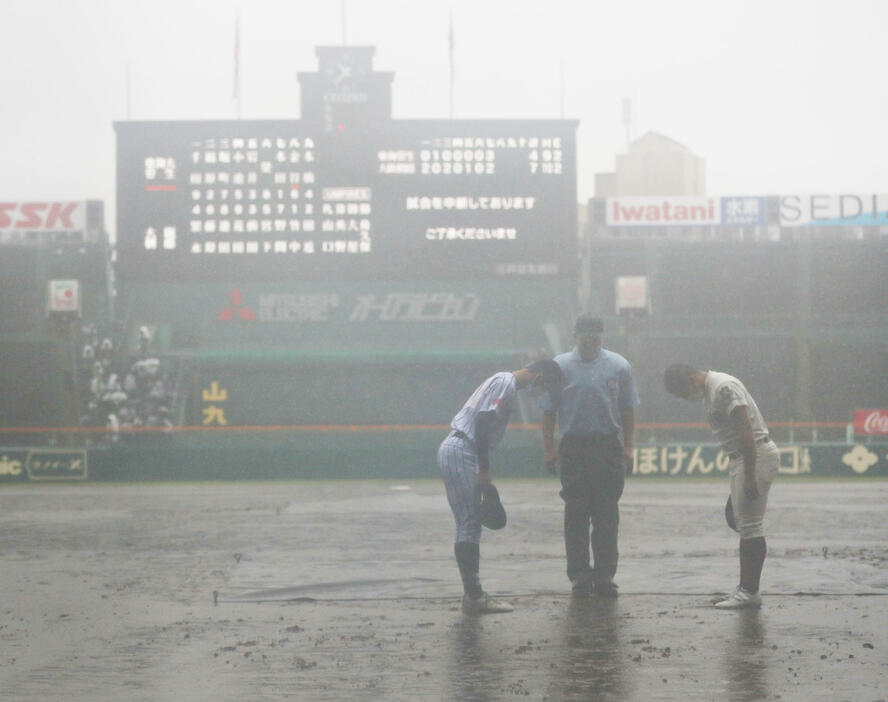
<point>346,191</point>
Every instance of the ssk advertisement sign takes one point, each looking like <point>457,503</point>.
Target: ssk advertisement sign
<point>42,216</point>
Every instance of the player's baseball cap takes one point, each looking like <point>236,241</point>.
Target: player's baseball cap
<point>550,373</point>
<point>587,325</point>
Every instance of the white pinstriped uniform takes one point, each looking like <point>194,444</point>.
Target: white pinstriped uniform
<point>458,458</point>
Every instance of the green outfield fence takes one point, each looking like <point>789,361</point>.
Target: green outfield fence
<point>672,450</point>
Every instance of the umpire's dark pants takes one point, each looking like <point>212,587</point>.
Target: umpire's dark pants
<point>592,480</point>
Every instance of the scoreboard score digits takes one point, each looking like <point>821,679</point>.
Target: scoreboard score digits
<point>411,198</point>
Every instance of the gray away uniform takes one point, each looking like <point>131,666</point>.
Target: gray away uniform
<point>723,393</point>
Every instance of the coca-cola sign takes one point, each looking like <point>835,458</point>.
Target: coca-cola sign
<point>871,421</point>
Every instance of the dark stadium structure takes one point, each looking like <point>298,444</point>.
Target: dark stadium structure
<point>346,267</point>
<point>42,242</point>
<point>799,311</point>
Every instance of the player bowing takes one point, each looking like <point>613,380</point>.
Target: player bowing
<point>754,461</point>
<point>464,462</point>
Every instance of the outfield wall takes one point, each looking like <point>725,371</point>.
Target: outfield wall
<point>391,453</point>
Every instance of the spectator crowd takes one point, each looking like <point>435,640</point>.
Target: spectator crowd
<point>119,392</point>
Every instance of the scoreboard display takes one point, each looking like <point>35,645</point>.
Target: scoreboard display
<point>396,199</point>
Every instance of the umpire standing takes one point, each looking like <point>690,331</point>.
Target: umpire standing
<point>596,420</point>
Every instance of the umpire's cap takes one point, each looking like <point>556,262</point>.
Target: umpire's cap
<point>491,512</point>
<point>550,372</point>
<point>587,325</point>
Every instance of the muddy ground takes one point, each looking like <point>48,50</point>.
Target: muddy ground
<point>348,590</point>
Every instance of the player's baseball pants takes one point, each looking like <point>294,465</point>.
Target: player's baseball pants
<point>458,464</point>
<point>749,514</point>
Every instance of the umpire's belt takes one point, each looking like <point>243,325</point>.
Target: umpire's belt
<point>737,454</point>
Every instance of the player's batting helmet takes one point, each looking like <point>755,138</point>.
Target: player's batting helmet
<point>491,512</point>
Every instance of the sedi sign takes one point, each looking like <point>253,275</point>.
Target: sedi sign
<point>845,210</point>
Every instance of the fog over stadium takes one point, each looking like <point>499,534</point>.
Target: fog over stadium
<point>778,97</point>
<point>287,285</point>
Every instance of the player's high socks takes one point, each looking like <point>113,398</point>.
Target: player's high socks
<point>475,600</point>
<point>468,558</point>
<point>752,558</point>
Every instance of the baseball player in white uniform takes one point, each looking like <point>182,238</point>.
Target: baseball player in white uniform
<point>754,462</point>
<point>464,462</point>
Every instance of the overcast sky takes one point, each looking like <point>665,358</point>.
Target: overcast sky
<point>779,97</point>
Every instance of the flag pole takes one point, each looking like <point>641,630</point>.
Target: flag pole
<point>128,92</point>
<point>452,66</point>
<point>236,89</point>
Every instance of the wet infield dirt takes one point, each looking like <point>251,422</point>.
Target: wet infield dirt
<point>348,590</point>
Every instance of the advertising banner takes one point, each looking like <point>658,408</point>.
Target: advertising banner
<point>843,210</point>
<point>57,464</point>
<point>871,421</point>
<point>12,464</point>
<point>372,452</point>
<point>796,459</point>
<point>42,216</point>
<point>743,211</point>
<point>64,296</point>
<point>42,464</point>
<point>320,316</point>
<point>663,211</point>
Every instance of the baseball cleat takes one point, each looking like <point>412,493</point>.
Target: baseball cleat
<point>740,599</point>
<point>484,605</point>
<point>581,589</point>
<point>606,588</point>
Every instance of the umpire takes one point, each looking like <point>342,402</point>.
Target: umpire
<point>596,421</point>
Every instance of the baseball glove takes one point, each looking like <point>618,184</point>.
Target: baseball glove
<point>491,512</point>
<point>729,514</point>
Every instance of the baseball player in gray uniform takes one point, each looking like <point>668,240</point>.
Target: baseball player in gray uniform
<point>464,462</point>
<point>754,462</point>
